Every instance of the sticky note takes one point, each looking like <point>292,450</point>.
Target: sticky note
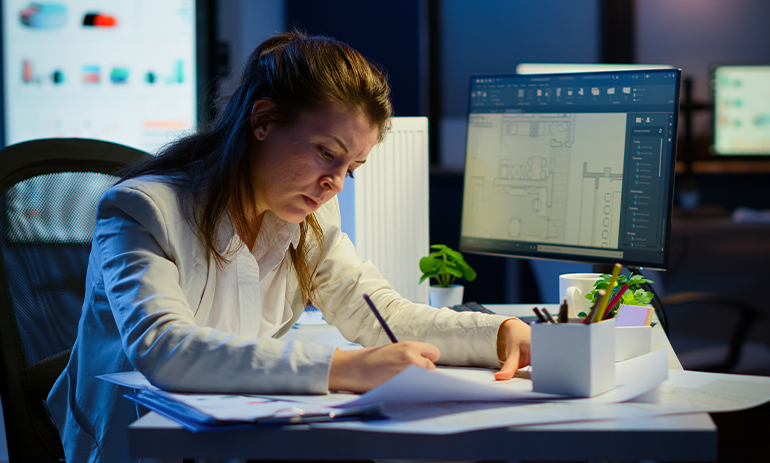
<point>633,315</point>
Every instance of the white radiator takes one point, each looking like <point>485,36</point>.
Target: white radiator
<point>391,206</point>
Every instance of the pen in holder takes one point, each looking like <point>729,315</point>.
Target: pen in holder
<point>572,358</point>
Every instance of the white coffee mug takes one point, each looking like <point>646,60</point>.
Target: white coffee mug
<point>573,287</point>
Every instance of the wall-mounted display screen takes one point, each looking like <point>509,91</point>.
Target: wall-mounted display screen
<point>741,110</point>
<point>121,71</point>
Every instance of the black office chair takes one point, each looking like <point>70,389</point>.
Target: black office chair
<point>697,310</point>
<point>48,194</point>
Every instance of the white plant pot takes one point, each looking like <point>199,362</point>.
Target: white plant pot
<point>446,297</point>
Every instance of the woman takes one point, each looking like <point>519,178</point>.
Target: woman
<point>205,255</point>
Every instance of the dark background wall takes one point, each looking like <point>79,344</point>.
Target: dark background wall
<point>387,33</point>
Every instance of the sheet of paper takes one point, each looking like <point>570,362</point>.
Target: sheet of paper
<point>415,385</point>
<point>132,379</point>
<point>320,399</point>
<point>683,392</point>
<point>227,407</point>
<point>636,376</point>
<point>311,317</point>
<point>454,417</point>
<point>688,391</point>
<point>418,385</point>
<point>208,412</point>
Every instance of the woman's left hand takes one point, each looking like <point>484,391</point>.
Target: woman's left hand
<point>513,339</point>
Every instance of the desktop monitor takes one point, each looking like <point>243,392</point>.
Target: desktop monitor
<point>572,167</point>
<point>741,110</point>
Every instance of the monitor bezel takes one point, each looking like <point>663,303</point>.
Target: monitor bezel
<point>714,155</point>
<point>669,201</point>
<point>574,68</point>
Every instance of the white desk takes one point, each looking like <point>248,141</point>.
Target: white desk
<point>685,438</point>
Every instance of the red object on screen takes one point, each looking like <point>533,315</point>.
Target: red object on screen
<point>103,20</point>
<point>99,20</point>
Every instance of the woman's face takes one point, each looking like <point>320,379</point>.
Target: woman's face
<point>300,166</point>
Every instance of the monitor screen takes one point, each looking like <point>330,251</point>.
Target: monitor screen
<point>121,71</point>
<point>574,167</point>
<point>741,110</point>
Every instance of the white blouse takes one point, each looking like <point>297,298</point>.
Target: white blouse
<point>250,280</point>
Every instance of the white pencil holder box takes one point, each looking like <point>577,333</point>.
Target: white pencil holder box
<point>572,358</point>
<point>632,341</point>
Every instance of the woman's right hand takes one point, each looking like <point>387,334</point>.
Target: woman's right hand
<point>359,370</point>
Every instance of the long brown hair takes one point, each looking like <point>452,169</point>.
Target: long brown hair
<point>299,73</point>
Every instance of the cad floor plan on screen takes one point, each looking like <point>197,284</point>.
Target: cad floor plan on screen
<point>555,168</point>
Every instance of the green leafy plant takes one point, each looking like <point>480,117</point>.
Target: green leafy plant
<point>445,265</point>
<point>634,296</point>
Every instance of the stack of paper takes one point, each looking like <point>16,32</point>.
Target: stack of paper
<point>451,400</point>
<point>206,412</point>
<point>200,412</point>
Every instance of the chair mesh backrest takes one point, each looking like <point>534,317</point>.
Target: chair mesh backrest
<point>46,229</point>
